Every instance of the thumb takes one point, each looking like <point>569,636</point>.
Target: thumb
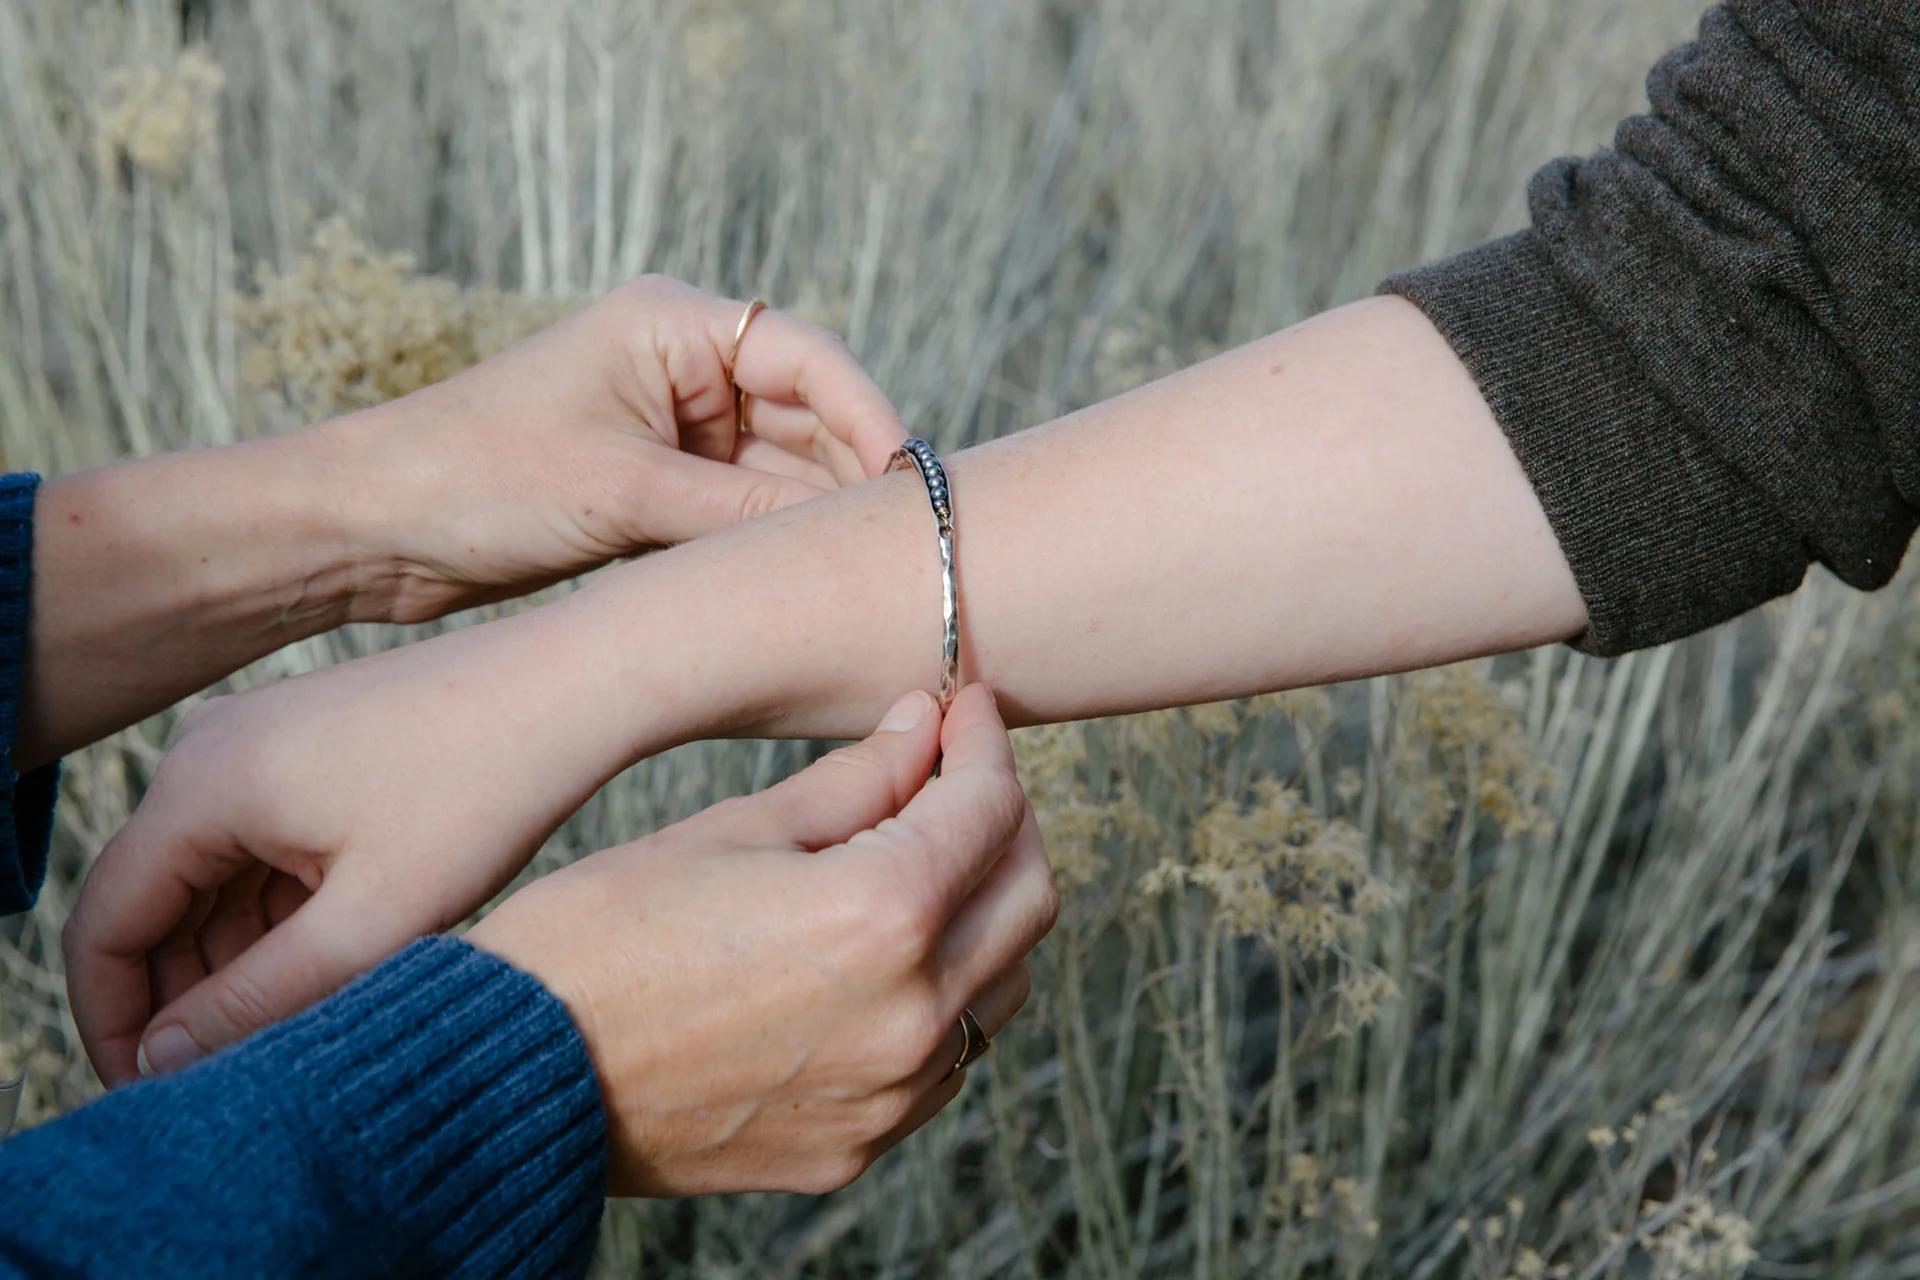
<point>846,791</point>
<point>690,496</point>
<point>961,823</point>
<point>305,958</point>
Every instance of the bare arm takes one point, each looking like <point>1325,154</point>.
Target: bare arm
<point>1699,353</point>
<point>156,578</point>
<point>603,434</point>
<point>1328,502</point>
<point>1332,501</point>
<point>1703,352</point>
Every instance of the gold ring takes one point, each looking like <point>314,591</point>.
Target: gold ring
<point>974,1044</point>
<point>754,308</point>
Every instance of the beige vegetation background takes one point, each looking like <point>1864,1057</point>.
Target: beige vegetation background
<point>1536,967</point>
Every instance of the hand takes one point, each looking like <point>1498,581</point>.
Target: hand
<point>606,434</point>
<point>770,991</point>
<point>609,433</point>
<point>297,833</point>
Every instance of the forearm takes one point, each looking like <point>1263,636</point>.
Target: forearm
<point>155,578</point>
<point>605,434</point>
<point>1330,502</point>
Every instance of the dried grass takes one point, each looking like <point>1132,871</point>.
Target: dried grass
<point>1539,967</point>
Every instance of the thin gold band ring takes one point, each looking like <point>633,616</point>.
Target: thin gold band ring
<point>754,308</point>
<point>974,1043</point>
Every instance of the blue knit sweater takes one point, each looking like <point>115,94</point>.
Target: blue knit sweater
<point>438,1117</point>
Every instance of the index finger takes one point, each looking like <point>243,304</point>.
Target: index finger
<point>788,361</point>
<point>132,900</point>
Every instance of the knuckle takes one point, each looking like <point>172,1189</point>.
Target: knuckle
<point>920,1034</point>
<point>914,922</point>
<point>630,302</point>
<point>1022,988</point>
<point>832,1172</point>
<point>650,286</point>
<point>1000,801</point>
<point>897,936</point>
<point>77,935</point>
<point>894,912</point>
<point>822,340</point>
<point>869,909</point>
<point>1047,906</point>
<point>834,346</point>
<point>887,1111</point>
<point>861,899</point>
<point>859,757</point>
<point>762,497</point>
<point>240,1004</point>
<point>858,770</point>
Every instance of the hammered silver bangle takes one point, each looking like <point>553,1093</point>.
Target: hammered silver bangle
<point>919,455</point>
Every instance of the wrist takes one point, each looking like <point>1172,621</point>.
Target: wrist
<point>375,492</point>
<point>155,578</point>
<point>245,537</point>
<point>750,633</point>
<point>650,674</point>
<point>314,530</point>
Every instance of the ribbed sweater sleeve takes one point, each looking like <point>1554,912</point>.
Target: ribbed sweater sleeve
<point>26,802</point>
<point>1705,350</point>
<point>438,1117</point>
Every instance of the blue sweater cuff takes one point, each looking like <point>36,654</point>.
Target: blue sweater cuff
<point>456,1100</point>
<point>440,1116</point>
<point>26,803</point>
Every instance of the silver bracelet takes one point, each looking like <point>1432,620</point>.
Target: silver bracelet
<point>919,454</point>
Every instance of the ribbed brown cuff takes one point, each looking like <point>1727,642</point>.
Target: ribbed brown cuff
<point>1664,538</point>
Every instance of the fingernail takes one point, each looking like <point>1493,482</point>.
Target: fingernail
<point>906,713</point>
<point>168,1049</point>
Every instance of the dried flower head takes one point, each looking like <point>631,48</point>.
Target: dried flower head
<point>1360,996</point>
<point>1277,870</point>
<point>349,327</point>
<point>1050,759</point>
<point>1460,740</point>
<point>1705,1241</point>
<point>156,118</point>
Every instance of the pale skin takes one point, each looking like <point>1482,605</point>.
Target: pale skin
<point>770,993</point>
<point>1332,501</point>
<point>606,434</point>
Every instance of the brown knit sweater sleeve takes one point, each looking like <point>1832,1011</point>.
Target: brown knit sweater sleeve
<point>1706,349</point>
